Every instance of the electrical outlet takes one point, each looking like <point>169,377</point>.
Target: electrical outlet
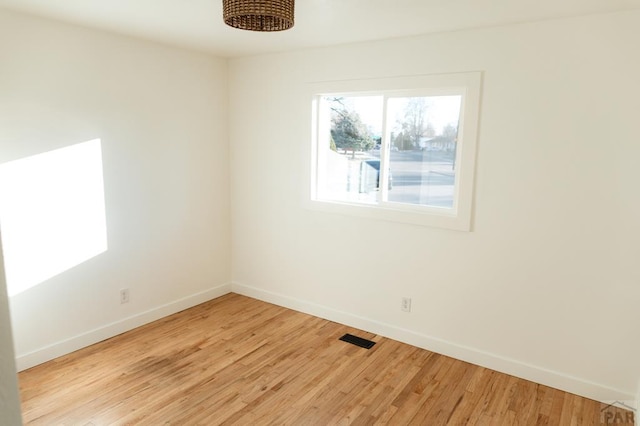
<point>124,295</point>
<point>405,304</point>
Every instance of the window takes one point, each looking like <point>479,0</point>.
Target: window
<point>397,149</point>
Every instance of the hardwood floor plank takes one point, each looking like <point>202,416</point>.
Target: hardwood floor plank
<point>239,361</point>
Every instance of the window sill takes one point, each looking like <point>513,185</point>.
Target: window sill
<point>421,216</point>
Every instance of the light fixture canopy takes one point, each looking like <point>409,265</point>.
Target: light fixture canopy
<point>259,15</point>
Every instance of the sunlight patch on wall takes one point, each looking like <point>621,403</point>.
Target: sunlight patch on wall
<point>52,213</point>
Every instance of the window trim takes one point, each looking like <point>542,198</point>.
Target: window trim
<point>466,84</point>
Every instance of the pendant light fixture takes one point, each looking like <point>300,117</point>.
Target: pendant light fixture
<point>258,15</point>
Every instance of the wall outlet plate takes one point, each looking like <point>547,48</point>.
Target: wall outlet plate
<point>124,295</point>
<point>405,304</point>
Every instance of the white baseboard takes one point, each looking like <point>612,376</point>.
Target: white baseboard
<point>64,347</point>
<point>505,365</point>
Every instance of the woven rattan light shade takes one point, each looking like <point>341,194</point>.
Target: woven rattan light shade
<point>259,15</point>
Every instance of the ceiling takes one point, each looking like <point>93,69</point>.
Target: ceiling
<point>197,24</point>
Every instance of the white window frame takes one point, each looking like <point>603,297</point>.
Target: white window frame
<point>465,84</point>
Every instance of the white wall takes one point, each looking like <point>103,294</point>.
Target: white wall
<point>9,396</point>
<point>546,285</point>
<point>162,118</point>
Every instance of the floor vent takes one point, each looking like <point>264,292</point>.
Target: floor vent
<point>358,341</point>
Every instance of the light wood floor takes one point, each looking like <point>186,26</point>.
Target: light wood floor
<point>235,360</point>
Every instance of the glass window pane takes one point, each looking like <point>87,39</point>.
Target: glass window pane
<point>423,135</point>
<point>349,151</point>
